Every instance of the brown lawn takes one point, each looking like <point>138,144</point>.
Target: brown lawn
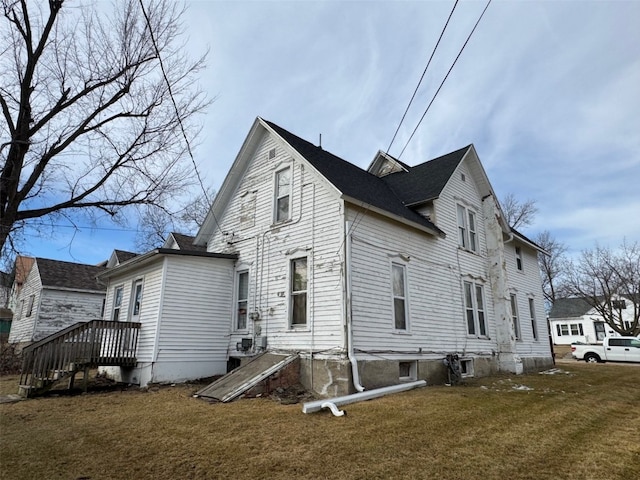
<point>583,423</point>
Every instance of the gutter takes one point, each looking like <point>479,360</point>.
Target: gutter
<point>311,407</point>
<point>354,363</point>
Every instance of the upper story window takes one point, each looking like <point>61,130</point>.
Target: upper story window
<point>30,305</point>
<point>467,236</point>
<point>298,292</point>
<point>398,273</point>
<point>283,195</point>
<point>519,258</point>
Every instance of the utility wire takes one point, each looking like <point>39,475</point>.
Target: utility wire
<point>445,78</point>
<point>423,74</point>
<point>175,106</point>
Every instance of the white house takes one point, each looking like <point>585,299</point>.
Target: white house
<point>574,320</point>
<point>371,277</point>
<point>55,295</point>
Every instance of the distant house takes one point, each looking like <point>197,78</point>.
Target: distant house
<point>370,276</point>
<point>575,320</point>
<point>55,295</point>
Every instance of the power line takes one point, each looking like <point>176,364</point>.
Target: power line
<point>175,106</point>
<point>445,78</point>
<point>422,76</point>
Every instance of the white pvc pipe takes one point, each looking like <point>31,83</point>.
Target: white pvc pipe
<point>318,405</point>
<point>335,410</point>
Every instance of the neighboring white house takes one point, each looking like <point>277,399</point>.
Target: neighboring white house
<point>55,295</point>
<point>372,277</point>
<point>574,320</point>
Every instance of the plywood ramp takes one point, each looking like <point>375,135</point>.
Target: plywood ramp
<point>238,381</point>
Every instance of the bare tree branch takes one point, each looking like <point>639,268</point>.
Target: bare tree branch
<point>518,214</point>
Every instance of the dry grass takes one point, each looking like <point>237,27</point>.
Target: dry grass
<point>582,424</point>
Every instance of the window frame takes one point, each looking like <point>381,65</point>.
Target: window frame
<point>239,300</point>
<point>277,194</point>
<point>467,228</point>
<point>532,314</point>
<point>403,296</point>
<point>293,294</point>
<point>515,317</point>
<point>477,309</point>
<point>116,306</point>
<point>32,300</point>
<point>519,259</point>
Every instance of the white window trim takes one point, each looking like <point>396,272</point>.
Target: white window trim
<point>113,303</point>
<point>132,301</point>
<point>534,321</point>
<point>32,299</point>
<point>276,196</point>
<point>474,306</point>
<point>519,259</point>
<point>466,236</point>
<point>236,299</point>
<point>297,326</point>
<point>407,315</point>
<point>515,316</point>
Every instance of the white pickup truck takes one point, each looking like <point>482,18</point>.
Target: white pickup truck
<point>612,349</point>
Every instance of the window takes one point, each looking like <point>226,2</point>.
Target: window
<point>136,296</point>
<point>532,314</point>
<point>408,371</point>
<point>283,194</point>
<point>576,328</point>
<point>399,296</point>
<point>519,258</point>
<point>298,292</point>
<point>474,309</point>
<point>466,367</point>
<point>514,317</point>
<point>242,300</point>
<point>30,305</point>
<point>619,304</point>
<point>117,303</point>
<point>565,328</point>
<point>467,237</point>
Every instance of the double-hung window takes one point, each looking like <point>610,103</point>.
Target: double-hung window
<point>398,273</point>
<point>30,305</point>
<point>298,292</point>
<point>474,309</point>
<point>117,302</point>
<point>283,195</point>
<point>519,258</point>
<point>467,234</point>
<point>514,317</point>
<point>242,300</point>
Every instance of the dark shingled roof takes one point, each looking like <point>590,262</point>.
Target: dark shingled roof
<point>77,276</point>
<point>123,255</point>
<point>352,180</point>
<point>569,307</point>
<point>185,242</point>
<point>425,181</point>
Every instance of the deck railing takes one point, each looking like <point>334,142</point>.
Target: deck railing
<point>86,344</point>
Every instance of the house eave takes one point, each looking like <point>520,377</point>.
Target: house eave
<point>159,253</point>
<point>75,290</point>
<point>392,216</point>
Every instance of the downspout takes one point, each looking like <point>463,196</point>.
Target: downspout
<point>350,353</point>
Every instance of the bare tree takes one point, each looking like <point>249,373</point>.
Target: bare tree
<point>608,280</point>
<point>156,223</point>
<point>552,267</point>
<point>518,214</point>
<point>98,109</point>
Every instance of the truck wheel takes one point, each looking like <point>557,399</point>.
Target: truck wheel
<point>591,358</point>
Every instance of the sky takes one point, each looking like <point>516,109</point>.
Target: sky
<point>547,91</point>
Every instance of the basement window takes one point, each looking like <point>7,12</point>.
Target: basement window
<point>466,367</point>
<point>408,371</point>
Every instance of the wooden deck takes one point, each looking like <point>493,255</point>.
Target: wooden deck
<point>77,348</point>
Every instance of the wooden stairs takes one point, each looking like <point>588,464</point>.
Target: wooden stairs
<point>77,348</point>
